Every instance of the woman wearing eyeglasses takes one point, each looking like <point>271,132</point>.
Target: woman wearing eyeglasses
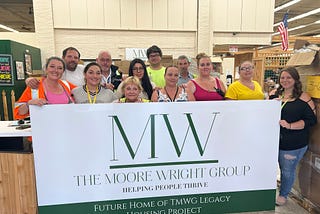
<point>245,88</point>
<point>138,69</point>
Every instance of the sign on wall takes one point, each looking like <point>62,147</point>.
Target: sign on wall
<point>132,53</point>
<point>6,70</point>
<point>193,157</point>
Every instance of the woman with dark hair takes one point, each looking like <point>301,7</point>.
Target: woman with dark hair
<point>297,116</point>
<point>92,92</point>
<point>138,69</point>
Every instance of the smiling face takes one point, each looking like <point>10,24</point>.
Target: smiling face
<point>286,80</point>
<point>93,75</point>
<point>131,92</point>
<point>138,70</point>
<point>171,76</point>
<point>154,59</point>
<point>104,60</point>
<point>71,59</point>
<point>54,69</point>
<point>246,71</point>
<point>205,66</point>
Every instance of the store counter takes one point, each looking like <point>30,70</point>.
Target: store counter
<point>17,178</point>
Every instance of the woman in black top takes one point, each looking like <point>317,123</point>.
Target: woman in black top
<point>297,116</point>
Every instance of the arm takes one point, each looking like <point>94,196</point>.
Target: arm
<point>223,88</point>
<point>190,95</point>
<point>191,87</point>
<point>306,97</point>
<point>154,97</point>
<point>32,82</point>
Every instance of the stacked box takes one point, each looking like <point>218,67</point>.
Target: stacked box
<point>303,175</point>
<point>315,180</point>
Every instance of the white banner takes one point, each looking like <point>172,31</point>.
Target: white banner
<point>132,53</point>
<point>102,152</point>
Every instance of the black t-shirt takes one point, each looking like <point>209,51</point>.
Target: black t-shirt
<point>291,112</point>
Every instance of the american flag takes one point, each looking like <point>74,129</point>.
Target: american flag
<point>283,30</point>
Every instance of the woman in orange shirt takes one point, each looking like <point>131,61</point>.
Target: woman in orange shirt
<point>51,89</point>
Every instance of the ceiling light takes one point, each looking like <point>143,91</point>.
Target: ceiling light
<point>312,12</point>
<point>296,28</point>
<point>305,15</point>
<point>286,5</point>
<point>8,28</point>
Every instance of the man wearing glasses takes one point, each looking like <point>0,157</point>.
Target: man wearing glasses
<point>111,76</point>
<point>245,88</point>
<point>155,70</point>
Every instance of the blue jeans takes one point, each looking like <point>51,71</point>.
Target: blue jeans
<point>288,161</point>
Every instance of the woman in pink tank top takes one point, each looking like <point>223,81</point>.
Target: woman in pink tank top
<point>206,87</point>
<point>51,89</point>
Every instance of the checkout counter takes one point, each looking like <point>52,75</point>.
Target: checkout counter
<point>17,177</point>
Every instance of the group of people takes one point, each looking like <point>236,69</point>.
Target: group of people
<point>66,82</point>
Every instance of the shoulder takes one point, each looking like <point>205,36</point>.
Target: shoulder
<point>77,89</point>
<point>80,67</point>
<point>305,97</point>
<point>114,67</point>
<point>256,83</point>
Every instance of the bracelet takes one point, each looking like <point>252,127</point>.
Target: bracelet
<point>289,125</point>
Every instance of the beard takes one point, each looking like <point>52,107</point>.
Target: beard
<point>72,66</point>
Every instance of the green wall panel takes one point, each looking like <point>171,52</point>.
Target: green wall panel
<point>17,51</point>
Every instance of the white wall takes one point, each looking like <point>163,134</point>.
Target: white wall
<point>176,26</point>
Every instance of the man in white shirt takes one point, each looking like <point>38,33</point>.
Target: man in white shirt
<point>73,72</point>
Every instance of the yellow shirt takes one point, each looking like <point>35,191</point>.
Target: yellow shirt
<point>157,76</point>
<point>238,91</point>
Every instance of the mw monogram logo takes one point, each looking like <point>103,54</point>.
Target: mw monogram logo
<point>151,124</point>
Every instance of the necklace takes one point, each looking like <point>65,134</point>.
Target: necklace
<point>174,98</point>
<point>89,96</point>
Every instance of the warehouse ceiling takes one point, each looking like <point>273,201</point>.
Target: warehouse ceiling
<point>18,14</point>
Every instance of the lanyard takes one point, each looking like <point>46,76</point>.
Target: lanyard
<point>89,96</point>
<point>283,104</point>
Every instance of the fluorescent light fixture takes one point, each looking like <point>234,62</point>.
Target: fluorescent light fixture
<point>286,5</point>
<point>312,12</point>
<point>8,28</point>
<point>305,15</point>
<point>298,27</point>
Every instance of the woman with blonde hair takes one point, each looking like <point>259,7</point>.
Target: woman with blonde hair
<point>205,87</point>
<point>132,88</point>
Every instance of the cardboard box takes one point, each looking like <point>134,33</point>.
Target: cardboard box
<point>303,175</point>
<point>307,64</point>
<point>123,65</point>
<point>303,59</point>
<point>313,86</point>
<point>315,180</point>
